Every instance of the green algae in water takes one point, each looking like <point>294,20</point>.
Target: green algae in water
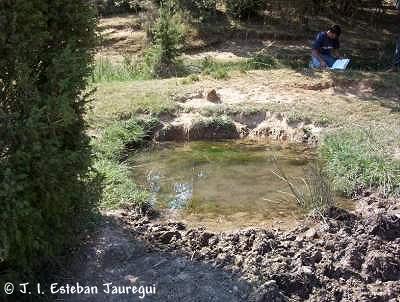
<point>223,180</point>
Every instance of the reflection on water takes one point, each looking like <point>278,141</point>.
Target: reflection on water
<point>224,184</point>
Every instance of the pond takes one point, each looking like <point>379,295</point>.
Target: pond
<point>222,184</point>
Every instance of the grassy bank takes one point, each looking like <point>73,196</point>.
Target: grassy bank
<point>134,68</point>
<point>112,147</point>
<point>363,159</point>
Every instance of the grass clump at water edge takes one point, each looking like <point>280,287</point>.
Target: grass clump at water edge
<point>313,193</point>
<point>119,186</point>
<point>362,158</point>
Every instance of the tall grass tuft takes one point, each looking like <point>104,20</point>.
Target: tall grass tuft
<point>129,69</point>
<point>314,192</point>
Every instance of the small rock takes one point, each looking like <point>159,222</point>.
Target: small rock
<point>204,238</point>
<point>177,225</point>
<point>385,226</point>
<point>213,97</point>
<point>238,260</point>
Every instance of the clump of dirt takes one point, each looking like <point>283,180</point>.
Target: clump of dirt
<point>348,257</point>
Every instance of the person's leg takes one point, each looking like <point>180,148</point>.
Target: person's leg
<point>315,62</point>
<point>397,53</point>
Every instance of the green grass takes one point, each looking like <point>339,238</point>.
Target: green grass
<point>124,99</point>
<point>114,138</point>
<point>324,120</point>
<point>217,121</point>
<point>136,68</point>
<point>296,117</point>
<point>190,79</point>
<point>362,158</point>
<point>221,69</point>
<point>128,70</point>
<point>119,187</point>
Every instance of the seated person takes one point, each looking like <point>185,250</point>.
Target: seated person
<point>325,43</point>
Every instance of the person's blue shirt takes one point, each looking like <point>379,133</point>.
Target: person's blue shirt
<point>324,44</point>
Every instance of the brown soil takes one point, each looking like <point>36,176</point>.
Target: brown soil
<point>345,257</point>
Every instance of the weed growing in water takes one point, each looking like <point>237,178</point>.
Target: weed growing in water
<point>313,193</point>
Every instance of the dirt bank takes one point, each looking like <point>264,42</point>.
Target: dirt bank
<point>347,257</point>
<point>259,125</point>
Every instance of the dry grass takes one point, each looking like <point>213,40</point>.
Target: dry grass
<point>279,90</point>
<point>123,98</point>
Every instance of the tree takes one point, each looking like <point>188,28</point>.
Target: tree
<point>46,51</point>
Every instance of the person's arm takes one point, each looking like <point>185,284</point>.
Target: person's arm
<point>336,53</point>
<point>315,49</point>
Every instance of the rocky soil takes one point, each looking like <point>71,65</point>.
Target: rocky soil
<point>346,257</point>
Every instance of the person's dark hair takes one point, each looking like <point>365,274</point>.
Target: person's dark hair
<point>336,30</point>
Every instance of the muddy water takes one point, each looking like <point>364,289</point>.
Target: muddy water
<point>222,185</point>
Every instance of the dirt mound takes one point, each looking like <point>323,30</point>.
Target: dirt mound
<point>350,257</point>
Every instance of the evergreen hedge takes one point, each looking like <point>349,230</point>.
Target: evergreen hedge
<point>46,51</point>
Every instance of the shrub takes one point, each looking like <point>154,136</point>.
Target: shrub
<point>45,156</point>
<point>361,159</point>
<point>244,8</point>
<point>168,35</point>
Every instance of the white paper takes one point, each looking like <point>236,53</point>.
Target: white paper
<point>341,64</point>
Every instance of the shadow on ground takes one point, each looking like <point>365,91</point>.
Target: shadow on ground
<point>113,255</point>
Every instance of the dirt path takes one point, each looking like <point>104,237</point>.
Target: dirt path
<point>114,256</point>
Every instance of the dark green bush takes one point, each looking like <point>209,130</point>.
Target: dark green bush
<point>45,157</point>
<point>244,8</point>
